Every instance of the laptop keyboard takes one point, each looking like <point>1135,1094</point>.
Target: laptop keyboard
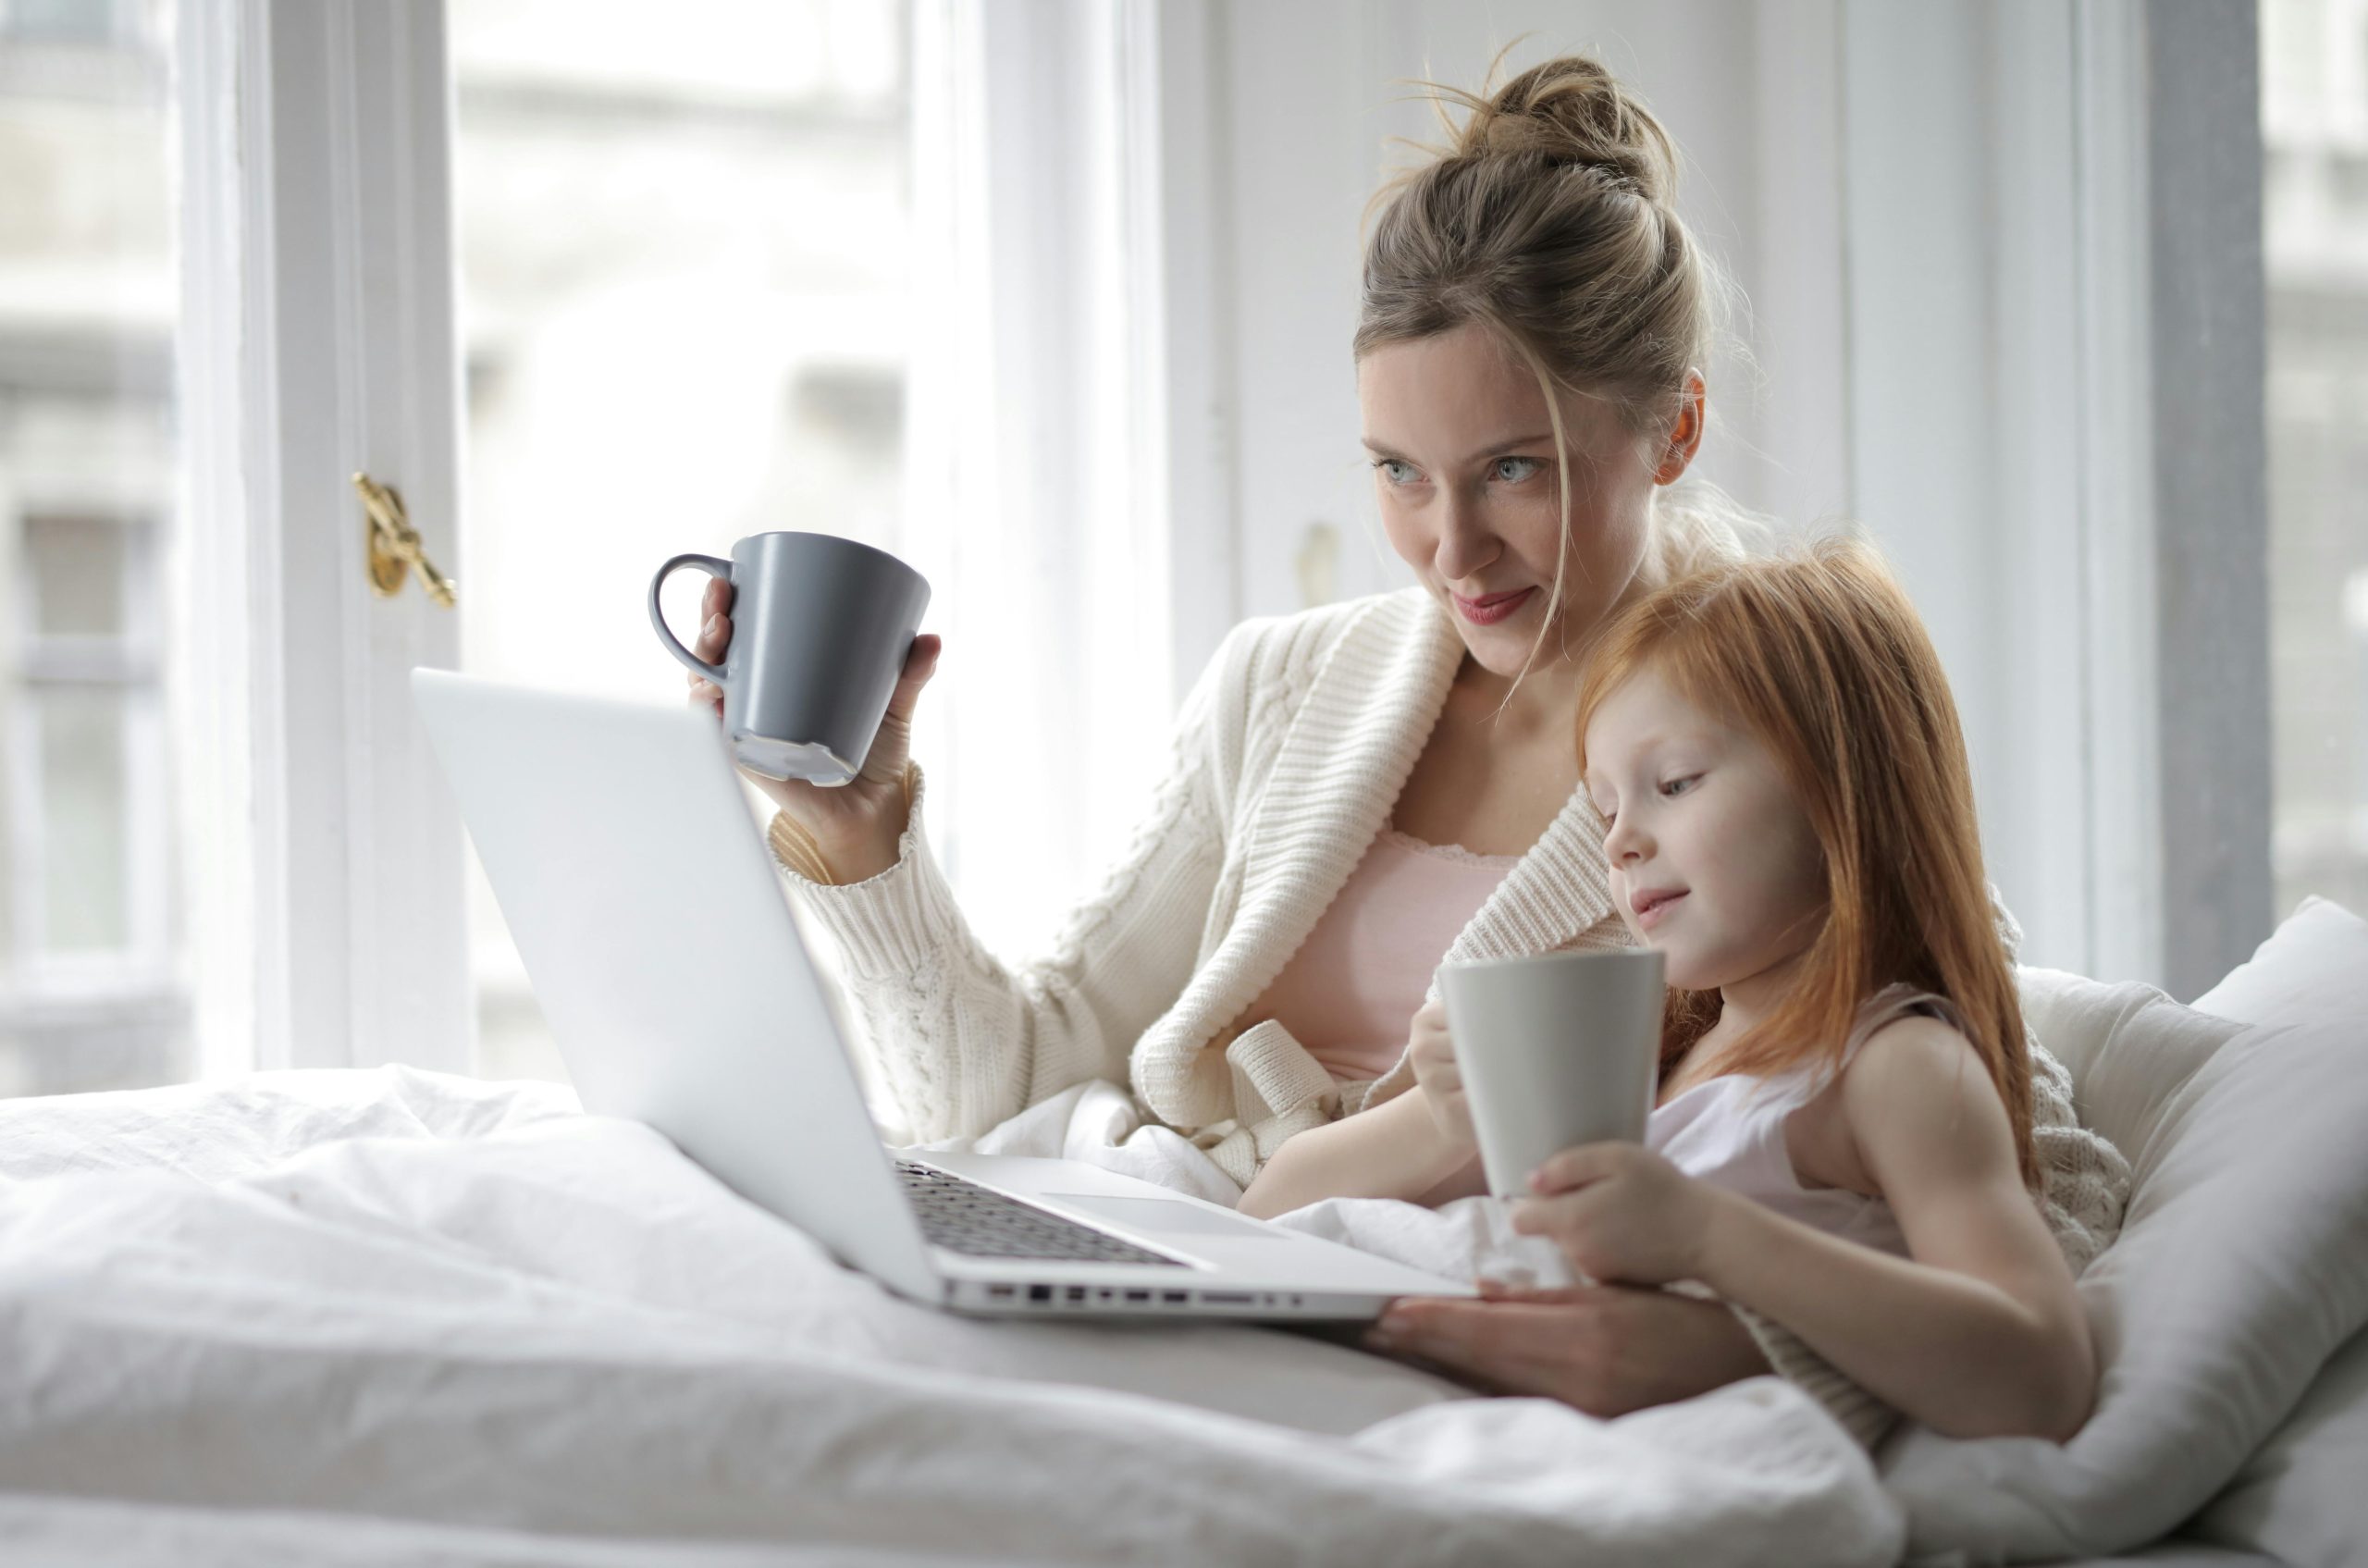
<point>963,1217</point>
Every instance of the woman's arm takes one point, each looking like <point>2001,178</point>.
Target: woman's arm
<point>1980,1334</point>
<point>1603,1349</point>
<point>1395,1150</point>
<point>964,1042</point>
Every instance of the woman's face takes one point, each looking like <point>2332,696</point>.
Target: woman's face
<point>1466,472</point>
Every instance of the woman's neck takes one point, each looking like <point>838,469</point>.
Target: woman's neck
<point>1545,697</point>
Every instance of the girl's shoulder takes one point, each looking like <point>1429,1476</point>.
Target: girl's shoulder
<point>1904,1065</point>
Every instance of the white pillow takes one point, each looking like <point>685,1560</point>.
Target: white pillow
<point>2237,1270</point>
<point>2315,964</point>
<point>2302,1498</point>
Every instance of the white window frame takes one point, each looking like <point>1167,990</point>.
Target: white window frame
<point>327,925</point>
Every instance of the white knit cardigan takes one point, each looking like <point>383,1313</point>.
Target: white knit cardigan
<point>1287,758</point>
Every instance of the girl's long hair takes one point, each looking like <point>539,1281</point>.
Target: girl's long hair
<point>1822,658</point>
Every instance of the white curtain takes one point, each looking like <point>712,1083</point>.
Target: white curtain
<point>1035,473</point>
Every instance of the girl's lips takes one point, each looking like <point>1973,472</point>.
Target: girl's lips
<point>1651,913</point>
<point>1496,607</point>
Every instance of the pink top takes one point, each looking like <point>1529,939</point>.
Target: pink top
<point>1351,992</point>
<point>1730,1131</point>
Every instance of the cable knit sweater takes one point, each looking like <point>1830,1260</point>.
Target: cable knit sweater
<point>1288,757</point>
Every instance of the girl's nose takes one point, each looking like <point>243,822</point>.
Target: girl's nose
<point>1625,843</point>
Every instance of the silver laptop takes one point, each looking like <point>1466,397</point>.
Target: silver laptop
<point>663,947</point>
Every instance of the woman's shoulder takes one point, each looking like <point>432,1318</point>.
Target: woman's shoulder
<point>1300,641</point>
<point>1266,665</point>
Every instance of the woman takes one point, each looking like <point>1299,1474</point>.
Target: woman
<point>1363,790</point>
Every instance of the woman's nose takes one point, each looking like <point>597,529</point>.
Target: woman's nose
<point>1466,543</point>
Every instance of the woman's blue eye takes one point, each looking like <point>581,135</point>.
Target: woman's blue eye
<point>1513,470</point>
<point>1396,471</point>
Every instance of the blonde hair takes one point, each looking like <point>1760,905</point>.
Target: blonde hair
<point>1822,658</point>
<point>1551,219</point>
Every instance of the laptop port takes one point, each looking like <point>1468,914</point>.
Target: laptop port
<point>1077,1293</point>
<point>1139,1295</point>
<point>1229,1298</point>
<point>1176,1298</point>
<point>1039,1293</point>
<point>1000,1292</point>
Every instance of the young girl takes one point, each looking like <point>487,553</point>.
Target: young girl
<point>1841,1140</point>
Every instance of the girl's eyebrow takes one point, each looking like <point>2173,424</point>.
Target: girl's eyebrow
<point>1491,449</point>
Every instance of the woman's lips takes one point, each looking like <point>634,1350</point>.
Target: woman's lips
<point>1494,607</point>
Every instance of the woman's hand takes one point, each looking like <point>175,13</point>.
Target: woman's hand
<point>855,824</point>
<point>1438,1079</point>
<point>1603,1349</point>
<point>1620,1212</point>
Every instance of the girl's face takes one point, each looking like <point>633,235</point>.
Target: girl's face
<point>1712,860</point>
<point>1465,468</point>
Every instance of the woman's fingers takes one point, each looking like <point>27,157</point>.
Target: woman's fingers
<point>921,664</point>
<point>715,635</point>
<point>1516,1347</point>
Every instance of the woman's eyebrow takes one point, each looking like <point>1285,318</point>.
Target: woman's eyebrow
<point>1491,449</point>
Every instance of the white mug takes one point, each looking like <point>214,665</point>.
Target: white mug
<point>1556,1050</point>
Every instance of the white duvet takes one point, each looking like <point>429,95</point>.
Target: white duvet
<point>394,1316</point>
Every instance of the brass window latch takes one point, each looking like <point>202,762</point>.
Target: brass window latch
<point>394,545</point>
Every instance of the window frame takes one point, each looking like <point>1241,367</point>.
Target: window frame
<point>328,921</point>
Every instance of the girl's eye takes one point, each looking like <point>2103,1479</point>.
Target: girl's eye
<point>1513,470</point>
<point>1680,786</point>
<point>1396,471</point>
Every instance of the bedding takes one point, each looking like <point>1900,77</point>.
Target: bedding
<point>394,1316</point>
<point>384,1316</point>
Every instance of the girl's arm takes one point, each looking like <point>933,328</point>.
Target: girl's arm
<point>1395,1150</point>
<point>1981,1335</point>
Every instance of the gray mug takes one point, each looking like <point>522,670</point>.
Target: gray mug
<point>1556,1050</point>
<point>820,626</point>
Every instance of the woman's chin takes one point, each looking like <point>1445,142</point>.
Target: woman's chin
<point>1502,650</point>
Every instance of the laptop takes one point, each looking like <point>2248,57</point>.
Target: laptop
<point>663,948</point>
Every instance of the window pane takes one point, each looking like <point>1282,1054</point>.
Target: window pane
<point>74,567</point>
<point>683,298</point>
<point>91,990</point>
<point>2314,114</point>
<point>83,820</point>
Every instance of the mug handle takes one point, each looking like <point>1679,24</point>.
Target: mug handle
<point>713,568</point>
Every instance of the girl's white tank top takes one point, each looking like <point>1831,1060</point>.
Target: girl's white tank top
<point>1730,1131</point>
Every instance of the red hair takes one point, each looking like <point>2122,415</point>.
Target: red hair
<point>1822,658</point>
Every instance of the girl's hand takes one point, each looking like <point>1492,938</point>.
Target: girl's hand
<point>855,824</point>
<point>1439,1078</point>
<point>1620,1212</point>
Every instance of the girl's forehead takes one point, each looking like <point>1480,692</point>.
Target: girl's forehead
<point>1646,709</point>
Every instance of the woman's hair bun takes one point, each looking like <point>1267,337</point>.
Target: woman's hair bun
<point>1572,111</point>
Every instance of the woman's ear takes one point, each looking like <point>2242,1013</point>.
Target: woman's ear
<point>1684,432</point>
